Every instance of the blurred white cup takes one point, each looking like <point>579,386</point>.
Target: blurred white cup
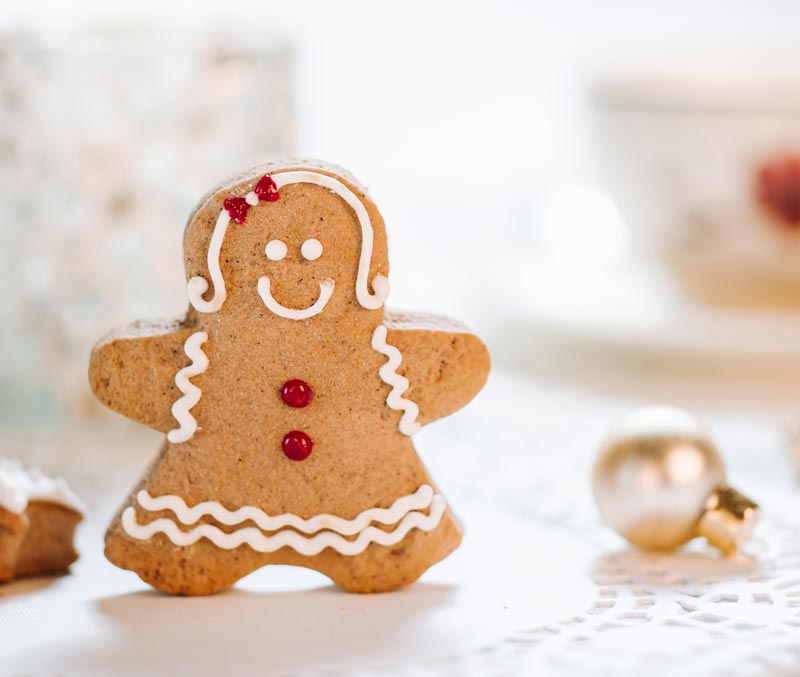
<point>705,167</point>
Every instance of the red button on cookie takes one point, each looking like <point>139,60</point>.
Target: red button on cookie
<point>297,445</point>
<point>296,393</point>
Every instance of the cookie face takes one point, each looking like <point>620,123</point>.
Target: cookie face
<point>292,396</point>
<point>317,247</point>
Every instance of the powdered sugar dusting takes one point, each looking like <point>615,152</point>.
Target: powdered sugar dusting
<point>19,486</point>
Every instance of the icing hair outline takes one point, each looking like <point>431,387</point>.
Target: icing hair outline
<point>198,285</point>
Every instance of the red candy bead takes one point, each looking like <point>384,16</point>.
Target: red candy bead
<point>296,393</point>
<point>237,208</point>
<point>266,189</point>
<point>297,445</point>
<point>778,190</point>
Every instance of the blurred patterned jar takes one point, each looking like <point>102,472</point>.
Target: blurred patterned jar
<point>106,143</point>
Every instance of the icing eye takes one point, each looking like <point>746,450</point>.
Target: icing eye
<point>311,249</point>
<point>275,250</point>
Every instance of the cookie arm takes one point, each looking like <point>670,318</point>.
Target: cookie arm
<point>132,371</point>
<point>445,364</point>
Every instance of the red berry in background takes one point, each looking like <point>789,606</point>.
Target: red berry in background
<point>266,189</point>
<point>296,393</point>
<point>297,445</point>
<point>778,190</point>
<point>237,208</point>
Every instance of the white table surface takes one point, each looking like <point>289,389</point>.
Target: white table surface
<point>539,585</point>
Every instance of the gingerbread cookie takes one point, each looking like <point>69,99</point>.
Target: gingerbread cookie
<point>38,516</point>
<point>288,396</point>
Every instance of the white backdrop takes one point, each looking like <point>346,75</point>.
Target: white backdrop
<point>462,118</point>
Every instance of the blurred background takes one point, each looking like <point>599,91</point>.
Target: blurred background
<point>608,193</point>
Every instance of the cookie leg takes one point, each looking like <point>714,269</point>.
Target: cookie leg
<point>199,569</point>
<point>203,568</point>
<point>384,568</point>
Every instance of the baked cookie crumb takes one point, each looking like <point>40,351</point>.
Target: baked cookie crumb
<point>38,517</point>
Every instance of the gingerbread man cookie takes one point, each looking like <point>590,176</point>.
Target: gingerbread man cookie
<point>288,396</point>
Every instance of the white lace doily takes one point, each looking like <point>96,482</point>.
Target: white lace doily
<point>540,586</point>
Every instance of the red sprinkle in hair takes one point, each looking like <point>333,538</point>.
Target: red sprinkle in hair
<point>266,189</point>
<point>237,208</point>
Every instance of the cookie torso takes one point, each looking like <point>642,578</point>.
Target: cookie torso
<point>237,458</point>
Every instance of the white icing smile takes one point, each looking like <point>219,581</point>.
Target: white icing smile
<point>325,293</point>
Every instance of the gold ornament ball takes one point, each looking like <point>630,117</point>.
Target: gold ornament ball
<point>655,475</point>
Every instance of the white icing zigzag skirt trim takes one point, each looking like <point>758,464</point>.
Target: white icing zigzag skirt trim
<point>404,512</point>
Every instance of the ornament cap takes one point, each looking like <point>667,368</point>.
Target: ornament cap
<point>728,519</point>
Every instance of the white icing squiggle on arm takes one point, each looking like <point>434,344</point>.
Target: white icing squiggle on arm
<point>388,373</point>
<point>191,393</point>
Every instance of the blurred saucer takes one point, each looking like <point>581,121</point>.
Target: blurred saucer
<point>634,307</point>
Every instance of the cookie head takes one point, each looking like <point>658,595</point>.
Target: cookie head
<point>312,246</point>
